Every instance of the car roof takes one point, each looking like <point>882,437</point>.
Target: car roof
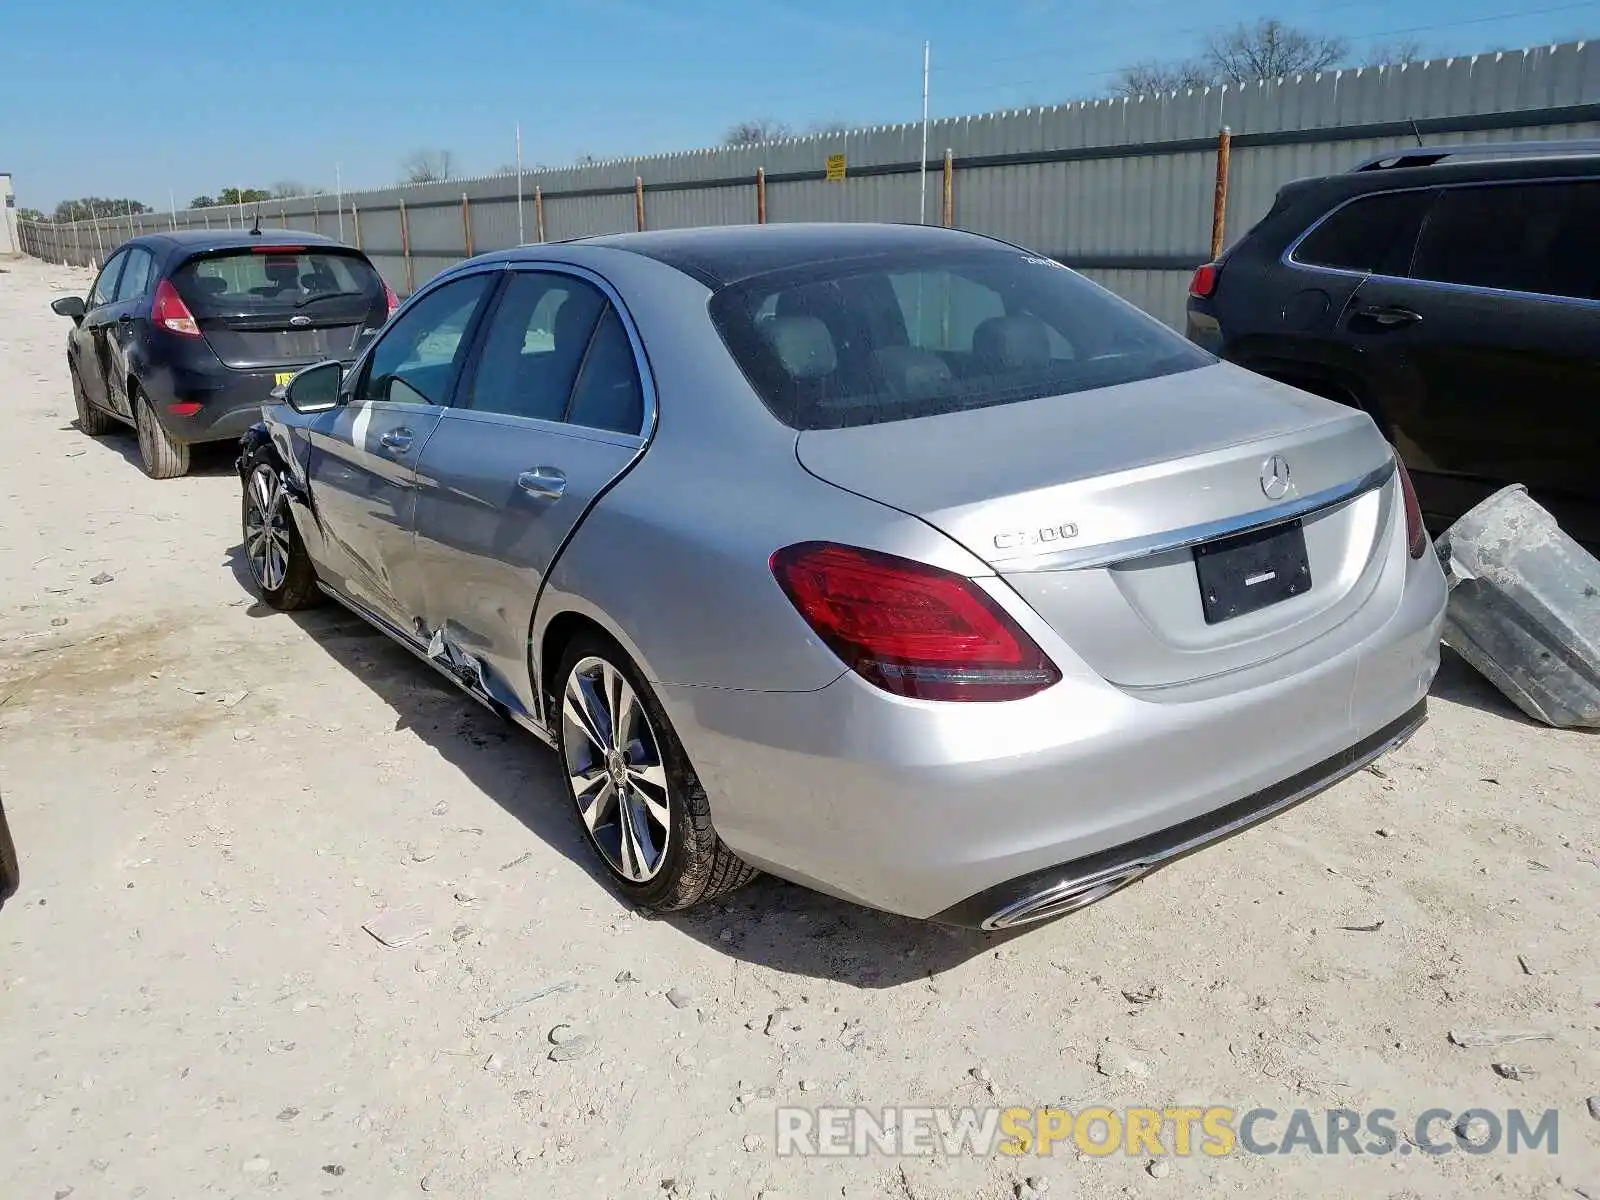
<point>720,255</point>
<point>197,241</point>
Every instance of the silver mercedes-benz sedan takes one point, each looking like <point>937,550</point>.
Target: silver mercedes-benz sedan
<point>899,562</point>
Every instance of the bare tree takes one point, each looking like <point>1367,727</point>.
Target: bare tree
<point>1153,78</point>
<point>752,132</point>
<point>285,188</point>
<point>1270,49</point>
<point>427,166</point>
<point>1383,54</point>
<point>828,127</point>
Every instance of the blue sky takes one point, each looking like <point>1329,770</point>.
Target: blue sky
<point>134,99</point>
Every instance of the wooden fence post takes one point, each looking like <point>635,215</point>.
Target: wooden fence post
<point>283,216</point>
<point>638,202</point>
<point>405,246</point>
<point>538,211</point>
<point>947,212</point>
<point>316,216</point>
<point>1219,202</point>
<point>466,222</point>
<point>761,195</point>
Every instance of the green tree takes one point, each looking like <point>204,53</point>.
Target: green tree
<point>235,195</point>
<point>203,201</point>
<point>97,206</point>
<point>31,214</point>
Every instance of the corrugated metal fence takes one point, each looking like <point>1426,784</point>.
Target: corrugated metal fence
<point>1120,189</point>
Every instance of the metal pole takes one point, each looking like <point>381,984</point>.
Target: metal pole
<point>466,223</point>
<point>538,211</point>
<point>338,195</point>
<point>99,247</point>
<point>1219,203</point>
<point>761,195</point>
<point>77,245</point>
<point>922,203</point>
<point>522,239</point>
<point>405,245</point>
<point>238,193</point>
<point>355,218</point>
<point>638,202</point>
<point>948,205</point>
<point>172,208</point>
<point>283,216</point>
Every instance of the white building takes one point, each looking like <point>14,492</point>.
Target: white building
<point>8,217</point>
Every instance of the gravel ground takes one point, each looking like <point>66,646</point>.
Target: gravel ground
<point>214,802</point>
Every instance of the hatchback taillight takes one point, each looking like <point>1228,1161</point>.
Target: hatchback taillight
<point>391,298</point>
<point>911,629</point>
<point>1204,282</point>
<point>170,312</point>
<point>1416,532</point>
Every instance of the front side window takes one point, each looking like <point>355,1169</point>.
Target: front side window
<point>1537,237</point>
<point>105,284</point>
<point>137,276</point>
<point>914,334</point>
<point>1375,233</point>
<point>420,356</point>
<point>535,344</point>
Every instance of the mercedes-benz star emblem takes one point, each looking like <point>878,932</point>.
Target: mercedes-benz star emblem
<point>1275,483</point>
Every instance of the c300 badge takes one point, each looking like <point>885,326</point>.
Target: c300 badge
<point>1042,539</point>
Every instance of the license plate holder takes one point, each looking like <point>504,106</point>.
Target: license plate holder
<point>1251,571</point>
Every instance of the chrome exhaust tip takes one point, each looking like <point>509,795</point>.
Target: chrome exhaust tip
<point>1063,897</point>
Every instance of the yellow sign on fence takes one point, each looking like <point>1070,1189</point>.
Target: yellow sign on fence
<point>835,168</point>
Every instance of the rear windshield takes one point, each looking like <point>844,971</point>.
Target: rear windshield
<point>263,280</point>
<point>900,336</point>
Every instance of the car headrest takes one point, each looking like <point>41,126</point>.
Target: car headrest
<point>573,323</point>
<point>912,372</point>
<point>211,285</point>
<point>1011,342</point>
<point>803,345</point>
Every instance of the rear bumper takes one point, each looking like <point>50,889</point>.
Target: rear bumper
<point>230,401</point>
<point>927,809</point>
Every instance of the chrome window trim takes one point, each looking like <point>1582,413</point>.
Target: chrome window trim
<point>1287,258</point>
<point>641,361</point>
<point>1111,554</point>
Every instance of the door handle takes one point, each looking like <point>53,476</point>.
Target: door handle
<point>543,483</point>
<point>125,319</point>
<point>1386,316</point>
<point>396,439</point>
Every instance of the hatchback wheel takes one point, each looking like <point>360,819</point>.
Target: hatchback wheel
<point>91,420</point>
<point>636,795</point>
<point>278,560</point>
<point>163,457</point>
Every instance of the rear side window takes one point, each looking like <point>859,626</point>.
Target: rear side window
<point>901,336</point>
<point>1375,233</point>
<point>608,394</point>
<point>261,279</point>
<point>1539,237</point>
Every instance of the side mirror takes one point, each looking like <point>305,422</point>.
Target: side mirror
<point>68,306</point>
<point>315,389</point>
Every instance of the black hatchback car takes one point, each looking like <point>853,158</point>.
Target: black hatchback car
<point>1452,293</point>
<point>185,335</point>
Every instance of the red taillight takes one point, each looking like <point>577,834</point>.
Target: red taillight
<point>1416,532</point>
<point>909,628</point>
<point>1204,282</point>
<point>171,313</point>
<point>394,301</point>
<point>277,249</point>
<point>184,408</point>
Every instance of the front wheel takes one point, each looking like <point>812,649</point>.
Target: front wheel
<point>279,564</point>
<point>637,797</point>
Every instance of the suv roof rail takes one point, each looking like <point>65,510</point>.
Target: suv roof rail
<point>1427,156</point>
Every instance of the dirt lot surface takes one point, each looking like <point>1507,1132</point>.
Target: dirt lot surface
<point>212,800</point>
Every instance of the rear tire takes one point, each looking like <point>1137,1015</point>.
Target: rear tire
<point>663,865</point>
<point>93,421</point>
<point>163,457</point>
<point>279,565</point>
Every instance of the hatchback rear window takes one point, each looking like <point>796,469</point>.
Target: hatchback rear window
<point>895,337</point>
<point>261,280</point>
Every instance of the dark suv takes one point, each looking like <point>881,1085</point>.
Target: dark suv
<point>1452,293</point>
<point>185,335</point>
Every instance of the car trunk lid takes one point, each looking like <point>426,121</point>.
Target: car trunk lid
<point>282,306</point>
<point>1092,511</point>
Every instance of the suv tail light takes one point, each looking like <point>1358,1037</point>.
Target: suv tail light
<point>1204,282</point>
<point>1416,532</point>
<point>911,629</point>
<point>394,301</point>
<point>171,313</point>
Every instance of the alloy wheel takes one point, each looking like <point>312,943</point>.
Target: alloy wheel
<point>615,770</point>
<point>266,528</point>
